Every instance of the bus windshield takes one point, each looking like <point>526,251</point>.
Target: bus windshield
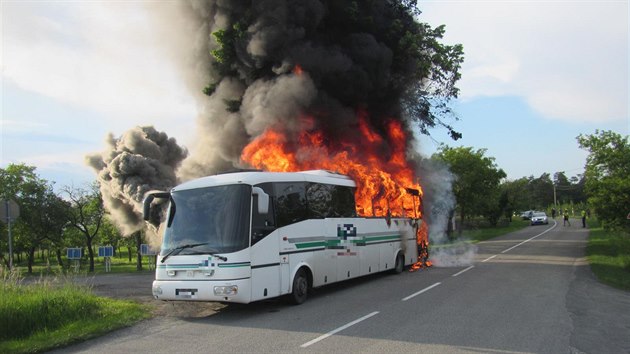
<point>208,220</point>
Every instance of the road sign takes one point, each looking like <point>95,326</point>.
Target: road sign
<point>106,251</point>
<point>628,217</point>
<point>9,210</point>
<point>74,253</point>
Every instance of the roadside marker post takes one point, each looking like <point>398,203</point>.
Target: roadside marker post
<point>75,254</point>
<point>107,252</point>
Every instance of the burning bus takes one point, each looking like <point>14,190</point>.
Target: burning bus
<point>248,236</point>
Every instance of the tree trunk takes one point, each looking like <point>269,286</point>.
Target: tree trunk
<point>31,259</point>
<point>138,246</point>
<point>462,215</point>
<point>90,253</point>
<point>449,224</point>
<point>59,260</point>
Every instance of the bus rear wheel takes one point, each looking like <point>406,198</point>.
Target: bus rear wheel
<point>300,287</point>
<point>399,265</point>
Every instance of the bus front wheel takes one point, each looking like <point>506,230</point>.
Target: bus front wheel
<point>300,287</point>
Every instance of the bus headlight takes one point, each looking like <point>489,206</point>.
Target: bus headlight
<point>171,273</point>
<point>157,290</point>
<point>228,290</point>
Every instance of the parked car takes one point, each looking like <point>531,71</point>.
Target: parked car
<point>526,215</point>
<point>539,217</point>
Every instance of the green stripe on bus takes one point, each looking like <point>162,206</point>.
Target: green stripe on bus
<point>234,265</point>
<point>310,244</point>
<point>381,238</point>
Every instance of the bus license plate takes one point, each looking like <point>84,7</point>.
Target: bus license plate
<point>186,293</point>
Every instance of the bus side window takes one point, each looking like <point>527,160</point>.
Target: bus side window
<point>290,203</point>
<point>262,224</point>
<point>343,203</point>
<point>319,199</point>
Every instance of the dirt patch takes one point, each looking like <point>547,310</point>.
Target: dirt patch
<point>137,287</point>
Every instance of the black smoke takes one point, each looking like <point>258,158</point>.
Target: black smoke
<point>372,56</point>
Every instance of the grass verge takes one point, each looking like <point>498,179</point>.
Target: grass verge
<point>608,253</point>
<point>50,314</point>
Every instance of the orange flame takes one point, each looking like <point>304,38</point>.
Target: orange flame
<point>382,175</point>
<point>423,249</point>
<point>297,70</point>
<point>376,163</point>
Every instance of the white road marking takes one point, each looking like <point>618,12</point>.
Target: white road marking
<point>489,258</point>
<point>462,271</point>
<point>421,291</point>
<point>529,239</point>
<point>322,337</point>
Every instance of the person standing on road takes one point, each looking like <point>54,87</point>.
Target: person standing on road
<point>583,218</point>
<point>566,218</point>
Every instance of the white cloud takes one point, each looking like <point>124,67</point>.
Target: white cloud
<point>19,126</point>
<point>102,56</point>
<point>567,59</point>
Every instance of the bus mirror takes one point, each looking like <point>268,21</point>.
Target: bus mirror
<point>263,200</point>
<point>148,199</point>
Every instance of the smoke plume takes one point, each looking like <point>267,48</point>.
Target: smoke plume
<point>294,66</point>
<point>142,159</point>
<point>439,201</point>
<point>248,58</point>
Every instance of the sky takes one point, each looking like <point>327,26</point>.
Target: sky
<point>536,75</point>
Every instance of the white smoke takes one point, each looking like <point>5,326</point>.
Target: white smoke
<point>439,200</point>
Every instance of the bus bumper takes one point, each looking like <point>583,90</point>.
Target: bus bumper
<point>221,291</point>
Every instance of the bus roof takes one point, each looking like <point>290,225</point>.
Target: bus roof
<point>257,177</point>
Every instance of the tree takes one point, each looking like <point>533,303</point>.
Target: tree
<point>109,235</point>
<point>569,190</point>
<point>41,210</point>
<point>50,223</point>
<point>478,178</point>
<point>516,195</point>
<point>85,214</point>
<point>607,181</point>
<point>540,191</point>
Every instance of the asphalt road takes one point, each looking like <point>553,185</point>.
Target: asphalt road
<point>530,291</point>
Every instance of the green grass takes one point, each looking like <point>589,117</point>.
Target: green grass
<point>486,233</point>
<point>608,253</point>
<point>118,265</point>
<point>55,313</point>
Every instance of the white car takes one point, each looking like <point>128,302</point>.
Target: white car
<point>539,217</point>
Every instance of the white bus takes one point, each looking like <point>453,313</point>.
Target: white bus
<point>248,236</point>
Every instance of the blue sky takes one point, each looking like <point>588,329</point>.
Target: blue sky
<point>536,75</point>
